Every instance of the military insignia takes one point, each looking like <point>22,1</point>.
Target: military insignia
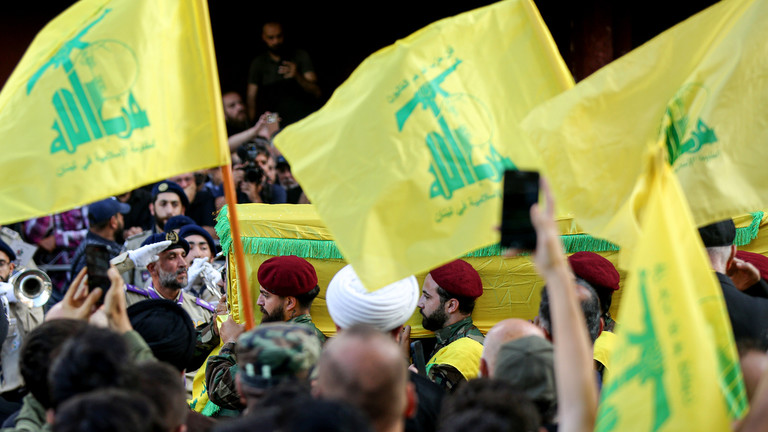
<point>172,236</point>
<point>163,187</point>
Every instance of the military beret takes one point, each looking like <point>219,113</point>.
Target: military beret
<point>757,260</point>
<point>718,234</point>
<point>167,329</point>
<point>176,241</point>
<point>169,186</point>
<point>458,278</point>
<point>275,351</point>
<point>287,275</point>
<point>188,230</point>
<point>8,251</point>
<point>177,222</point>
<point>595,269</point>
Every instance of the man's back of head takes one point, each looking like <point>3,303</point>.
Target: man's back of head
<point>504,331</point>
<point>590,306</point>
<point>364,367</point>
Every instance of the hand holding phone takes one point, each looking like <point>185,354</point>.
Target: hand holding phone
<point>521,191</point>
<point>97,260</point>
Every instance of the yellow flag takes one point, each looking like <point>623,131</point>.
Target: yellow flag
<point>109,96</point>
<point>701,87</point>
<point>674,366</point>
<point>405,160</point>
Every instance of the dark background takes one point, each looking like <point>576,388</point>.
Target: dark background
<point>339,35</point>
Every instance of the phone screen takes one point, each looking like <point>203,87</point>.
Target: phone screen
<point>97,260</point>
<point>521,191</point>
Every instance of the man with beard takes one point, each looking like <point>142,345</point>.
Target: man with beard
<point>288,285</point>
<point>284,79</point>
<point>446,304</point>
<point>168,278</point>
<point>106,228</point>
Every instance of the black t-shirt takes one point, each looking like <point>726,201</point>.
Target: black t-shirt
<point>202,209</point>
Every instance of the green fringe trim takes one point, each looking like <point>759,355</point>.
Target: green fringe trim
<point>211,409</point>
<point>745,235</point>
<point>327,249</point>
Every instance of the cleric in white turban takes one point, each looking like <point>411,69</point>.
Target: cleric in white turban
<point>385,309</point>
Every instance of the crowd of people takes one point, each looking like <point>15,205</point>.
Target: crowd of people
<point>124,358</point>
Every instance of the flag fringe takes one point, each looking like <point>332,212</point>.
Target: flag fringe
<point>326,249</point>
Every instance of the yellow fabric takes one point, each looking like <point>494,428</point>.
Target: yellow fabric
<point>698,87</point>
<point>674,357</point>
<point>603,348</point>
<point>463,354</point>
<point>405,160</point>
<point>109,96</point>
<point>199,390</point>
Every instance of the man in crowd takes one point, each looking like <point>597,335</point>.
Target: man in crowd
<point>201,206</point>
<point>106,229</point>
<point>288,285</point>
<point>749,315</point>
<point>364,367</point>
<point>168,200</point>
<point>387,310</point>
<point>281,80</point>
<point>261,358</point>
<point>200,263</point>
<point>20,320</point>
<point>446,305</point>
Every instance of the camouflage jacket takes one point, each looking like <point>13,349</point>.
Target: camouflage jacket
<point>447,376</point>
<point>221,370</point>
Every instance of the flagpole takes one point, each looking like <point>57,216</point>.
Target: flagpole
<point>237,245</point>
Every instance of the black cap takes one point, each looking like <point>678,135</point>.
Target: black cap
<point>176,241</point>
<point>8,251</point>
<point>101,211</point>
<point>169,186</point>
<point>718,234</point>
<point>188,230</point>
<point>178,222</point>
<point>166,328</point>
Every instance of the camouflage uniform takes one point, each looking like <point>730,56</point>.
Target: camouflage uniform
<point>307,320</point>
<point>286,348</point>
<point>446,375</point>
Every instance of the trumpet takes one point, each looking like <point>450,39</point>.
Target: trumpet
<point>31,287</point>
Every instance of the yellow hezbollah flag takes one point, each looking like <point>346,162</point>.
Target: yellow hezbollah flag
<point>674,366</point>
<point>701,87</point>
<point>404,162</point>
<point>109,96</point>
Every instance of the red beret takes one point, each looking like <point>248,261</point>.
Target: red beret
<point>757,260</point>
<point>595,269</point>
<point>287,275</point>
<point>458,278</point>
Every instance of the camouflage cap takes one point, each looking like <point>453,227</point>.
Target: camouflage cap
<point>273,352</point>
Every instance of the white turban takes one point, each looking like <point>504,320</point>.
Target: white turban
<point>385,309</point>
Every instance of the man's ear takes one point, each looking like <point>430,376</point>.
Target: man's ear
<point>451,306</point>
<point>113,223</point>
<point>412,401</point>
<point>731,256</point>
<point>484,368</point>
<point>151,267</point>
<point>290,303</point>
<point>152,209</point>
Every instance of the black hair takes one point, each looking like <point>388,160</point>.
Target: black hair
<point>107,410</point>
<point>495,399</point>
<point>305,300</point>
<point>590,307</point>
<point>93,359</point>
<point>466,304</point>
<point>39,349</point>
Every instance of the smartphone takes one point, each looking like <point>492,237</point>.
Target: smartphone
<point>97,260</point>
<point>521,191</point>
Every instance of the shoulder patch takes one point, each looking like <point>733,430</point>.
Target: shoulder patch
<point>137,290</point>
<point>204,304</point>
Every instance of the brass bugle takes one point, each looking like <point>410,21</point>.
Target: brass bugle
<point>31,287</point>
